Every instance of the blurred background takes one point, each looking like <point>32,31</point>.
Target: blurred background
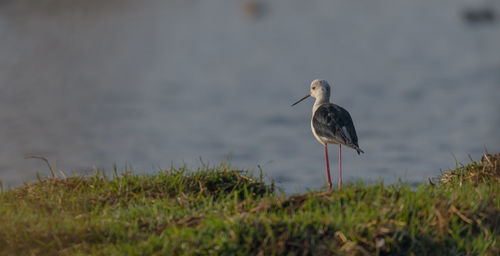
<point>155,83</point>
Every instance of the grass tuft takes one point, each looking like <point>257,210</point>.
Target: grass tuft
<point>476,172</point>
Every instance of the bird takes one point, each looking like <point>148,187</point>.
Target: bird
<point>330,124</point>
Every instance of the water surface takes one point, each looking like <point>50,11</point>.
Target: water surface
<point>154,83</point>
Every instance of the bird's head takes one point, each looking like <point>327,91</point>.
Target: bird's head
<point>320,89</point>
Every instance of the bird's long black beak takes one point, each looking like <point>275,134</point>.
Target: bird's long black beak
<point>305,97</point>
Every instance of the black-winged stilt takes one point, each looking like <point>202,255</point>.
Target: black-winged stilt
<point>331,123</point>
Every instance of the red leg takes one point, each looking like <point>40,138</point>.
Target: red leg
<point>340,166</point>
<point>328,168</point>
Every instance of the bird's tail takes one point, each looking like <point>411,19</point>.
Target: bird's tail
<point>359,150</point>
<point>356,147</point>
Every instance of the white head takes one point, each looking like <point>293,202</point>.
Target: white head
<point>320,89</point>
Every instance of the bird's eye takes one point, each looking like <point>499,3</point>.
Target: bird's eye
<point>314,88</point>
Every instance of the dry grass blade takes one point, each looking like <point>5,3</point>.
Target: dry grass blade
<point>45,160</point>
<point>461,215</point>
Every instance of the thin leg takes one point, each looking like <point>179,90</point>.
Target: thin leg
<point>328,169</point>
<point>340,166</point>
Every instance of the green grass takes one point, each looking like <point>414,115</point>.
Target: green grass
<point>220,211</point>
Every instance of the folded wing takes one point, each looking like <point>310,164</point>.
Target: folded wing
<point>335,123</point>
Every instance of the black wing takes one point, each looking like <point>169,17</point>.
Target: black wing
<point>335,123</point>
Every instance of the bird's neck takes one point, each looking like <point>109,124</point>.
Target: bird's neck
<point>320,101</point>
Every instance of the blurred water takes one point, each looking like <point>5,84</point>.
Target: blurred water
<point>155,83</point>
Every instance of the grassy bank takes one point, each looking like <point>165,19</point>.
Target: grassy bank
<point>218,211</point>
